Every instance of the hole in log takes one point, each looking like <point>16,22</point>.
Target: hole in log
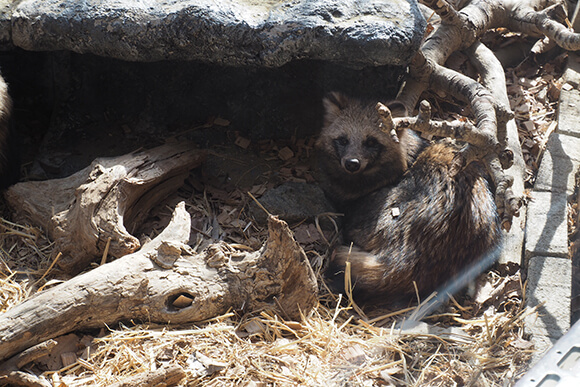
<point>136,214</point>
<point>180,301</point>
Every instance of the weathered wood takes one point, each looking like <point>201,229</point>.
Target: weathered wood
<point>20,378</point>
<point>28,356</point>
<point>153,283</point>
<point>82,211</point>
<point>493,78</point>
<point>10,373</point>
<point>166,376</point>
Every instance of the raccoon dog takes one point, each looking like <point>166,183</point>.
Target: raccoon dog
<point>8,156</point>
<point>408,217</point>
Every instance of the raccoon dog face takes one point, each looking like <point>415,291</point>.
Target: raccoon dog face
<point>351,134</point>
<point>355,156</point>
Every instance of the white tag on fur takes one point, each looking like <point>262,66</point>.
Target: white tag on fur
<point>395,212</point>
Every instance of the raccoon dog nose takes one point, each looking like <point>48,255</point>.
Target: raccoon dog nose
<point>352,165</point>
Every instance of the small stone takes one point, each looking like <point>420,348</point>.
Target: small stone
<point>183,301</point>
<point>221,122</point>
<point>293,202</point>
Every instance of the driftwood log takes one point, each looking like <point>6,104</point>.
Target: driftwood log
<point>166,282</point>
<point>81,212</point>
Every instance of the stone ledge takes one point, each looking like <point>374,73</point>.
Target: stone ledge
<point>572,72</point>
<point>549,269</point>
<point>243,32</point>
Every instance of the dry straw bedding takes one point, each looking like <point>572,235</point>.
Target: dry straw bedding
<point>477,340</point>
<point>331,346</point>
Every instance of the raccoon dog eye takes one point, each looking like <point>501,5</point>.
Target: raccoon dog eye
<point>371,142</point>
<point>342,141</point>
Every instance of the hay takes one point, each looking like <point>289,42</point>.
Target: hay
<point>24,251</point>
<point>332,346</point>
<point>328,348</point>
<point>477,343</point>
<point>470,341</point>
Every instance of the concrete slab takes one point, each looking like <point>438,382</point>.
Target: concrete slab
<point>563,145</point>
<point>572,72</point>
<point>546,247</point>
<point>569,111</point>
<point>547,228</point>
<point>556,174</point>
<point>549,285</point>
<point>569,104</point>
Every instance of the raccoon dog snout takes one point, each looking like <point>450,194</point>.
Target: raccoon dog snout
<point>351,165</point>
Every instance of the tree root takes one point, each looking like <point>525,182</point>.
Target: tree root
<point>524,18</point>
<point>461,29</point>
<point>507,203</point>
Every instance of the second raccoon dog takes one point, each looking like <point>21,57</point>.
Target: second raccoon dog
<point>442,222</point>
<point>8,155</point>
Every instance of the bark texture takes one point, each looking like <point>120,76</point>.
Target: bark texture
<point>166,282</point>
<point>101,202</point>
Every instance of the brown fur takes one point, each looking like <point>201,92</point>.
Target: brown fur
<point>382,161</point>
<point>8,154</point>
<point>446,221</point>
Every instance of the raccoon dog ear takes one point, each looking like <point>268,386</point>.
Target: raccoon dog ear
<point>334,103</point>
<point>397,108</point>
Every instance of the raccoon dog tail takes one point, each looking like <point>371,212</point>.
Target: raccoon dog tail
<point>9,167</point>
<point>356,271</point>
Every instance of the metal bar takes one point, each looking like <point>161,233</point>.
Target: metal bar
<point>560,366</point>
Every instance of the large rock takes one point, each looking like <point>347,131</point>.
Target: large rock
<point>293,202</point>
<point>232,32</point>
